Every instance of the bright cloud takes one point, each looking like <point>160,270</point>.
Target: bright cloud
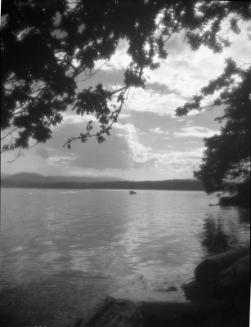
<point>141,154</point>
<point>169,162</point>
<point>145,101</point>
<point>158,130</point>
<point>181,75</point>
<point>61,160</point>
<point>73,118</point>
<point>195,131</point>
<point>118,61</point>
<point>185,72</point>
<point>148,142</point>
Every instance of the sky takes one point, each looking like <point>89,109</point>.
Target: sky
<point>148,142</point>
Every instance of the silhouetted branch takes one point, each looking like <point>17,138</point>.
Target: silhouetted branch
<point>17,156</point>
<point>94,72</point>
<point>104,130</point>
<point>9,133</point>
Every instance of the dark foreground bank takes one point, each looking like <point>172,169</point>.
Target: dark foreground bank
<point>218,297</point>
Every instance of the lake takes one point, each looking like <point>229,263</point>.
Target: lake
<point>63,251</point>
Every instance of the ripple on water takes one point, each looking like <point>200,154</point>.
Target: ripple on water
<point>62,252</point>
<point>50,256</point>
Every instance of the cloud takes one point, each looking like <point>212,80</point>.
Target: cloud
<point>60,160</point>
<point>141,155</point>
<point>71,118</point>
<point>113,153</point>
<point>185,70</point>
<point>162,89</point>
<point>142,145</point>
<point>122,150</point>
<point>109,78</point>
<point>158,130</point>
<point>119,60</point>
<point>168,161</point>
<point>124,116</point>
<point>145,101</point>
<point>195,131</point>
<point>148,142</point>
<point>179,163</point>
<point>181,75</point>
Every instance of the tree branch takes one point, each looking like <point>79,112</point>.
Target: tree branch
<point>9,133</point>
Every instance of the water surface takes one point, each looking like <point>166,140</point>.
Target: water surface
<point>62,251</point>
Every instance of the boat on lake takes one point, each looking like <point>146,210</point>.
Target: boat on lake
<point>132,192</point>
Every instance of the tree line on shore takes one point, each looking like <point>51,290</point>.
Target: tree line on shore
<point>39,181</point>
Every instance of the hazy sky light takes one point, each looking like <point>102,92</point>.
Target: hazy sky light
<point>148,142</point>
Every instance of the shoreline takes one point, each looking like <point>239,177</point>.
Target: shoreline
<point>219,296</point>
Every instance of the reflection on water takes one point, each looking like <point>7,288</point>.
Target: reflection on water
<point>220,234</point>
<point>61,252</point>
<point>215,239</point>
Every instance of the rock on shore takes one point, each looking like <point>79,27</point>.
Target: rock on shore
<point>114,313</point>
<point>219,297</point>
<point>208,270</point>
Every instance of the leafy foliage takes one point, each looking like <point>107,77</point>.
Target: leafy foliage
<point>226,161</point>
<point>46,45</point>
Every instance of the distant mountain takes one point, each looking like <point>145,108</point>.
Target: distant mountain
<point>86,182</point>
<point>81,179</point>
<point>24,177</point>
<point>4,175</point>
<point>33,178</point>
